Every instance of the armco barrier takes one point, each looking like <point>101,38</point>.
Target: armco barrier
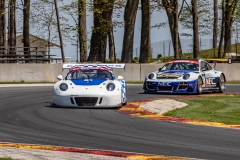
<point>132,72</point>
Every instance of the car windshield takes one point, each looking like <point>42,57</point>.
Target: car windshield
<point>89,74</point>
<point>180,66</point>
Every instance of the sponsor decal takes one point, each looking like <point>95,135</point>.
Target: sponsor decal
<point>88,80</point>
<point>164,84</point>
<point>210,81</point>
<point>169,75</point>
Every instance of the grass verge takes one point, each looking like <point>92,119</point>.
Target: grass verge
<point>222,109</point>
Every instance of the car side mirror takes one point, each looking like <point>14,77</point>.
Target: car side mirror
<point>120,77</point>
<point>59,77</point>
<point>159,69</point>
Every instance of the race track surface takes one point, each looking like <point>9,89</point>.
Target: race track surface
<point>27,118</point>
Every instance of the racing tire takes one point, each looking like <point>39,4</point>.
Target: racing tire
<point>199,85</point>
<point>221,84</point>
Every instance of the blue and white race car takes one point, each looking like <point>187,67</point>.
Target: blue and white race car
<point>185,76</point>
<point>90,85</point>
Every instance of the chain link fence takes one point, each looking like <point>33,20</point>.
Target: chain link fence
<point>165,48</point>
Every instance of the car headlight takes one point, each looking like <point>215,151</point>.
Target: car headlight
<point>63,86</point>
<point>186,76</point>
<point>110,86</point>
<point>150,76</point>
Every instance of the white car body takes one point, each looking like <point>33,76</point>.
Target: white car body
<point>90,91</point>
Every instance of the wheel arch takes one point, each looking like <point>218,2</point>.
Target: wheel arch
<point>223,76</point>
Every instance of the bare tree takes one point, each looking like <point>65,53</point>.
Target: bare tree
<point>2,27</point>
<point>196,53</point>
<point>215,23</point>
<point>102,21</point>
<point>12,27</point>
<point>230,6</point>
<point>112,53</point>
<point>145,47</point>
<point>171,8</point>
<point>59,31</point>
<point>222,29</point>
<point>82,30</point>
<point>26,41</point>
<point>129,25</point>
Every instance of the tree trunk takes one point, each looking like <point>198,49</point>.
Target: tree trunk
<point>215,24</point>
<point>222,30</point>
<point>12,27</point>
<point>100,31</point>
<point>112,53</point>
<point>230,7</point>
<point>2,28</point>
<point>129,25</point>
<point>26,40</point>
<point>59,31</point>
<point>172,13</point>
<point>196,53</point>
<point>145,49</point>
<point>227,35</point>
<point>82,30</point>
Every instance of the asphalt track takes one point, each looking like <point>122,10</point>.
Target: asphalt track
<point>25,117</point>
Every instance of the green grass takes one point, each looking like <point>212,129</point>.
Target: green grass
<point>223,109</point>
<point>6,159</point>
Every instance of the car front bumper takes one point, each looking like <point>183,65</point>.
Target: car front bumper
<point>163,86</point>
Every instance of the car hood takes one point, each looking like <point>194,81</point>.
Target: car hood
<point>173,73</point>
<point>88,82</point>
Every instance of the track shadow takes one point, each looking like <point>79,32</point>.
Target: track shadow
<point>52,105</point>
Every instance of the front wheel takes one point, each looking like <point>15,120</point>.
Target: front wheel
<point>199,85</point>
<point>221,84</point>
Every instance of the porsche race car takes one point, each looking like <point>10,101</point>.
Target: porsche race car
<point>90,85</point>
<point>185,76</point>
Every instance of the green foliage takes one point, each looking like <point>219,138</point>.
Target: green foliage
<point>222,109</point>
<point>205,17</point>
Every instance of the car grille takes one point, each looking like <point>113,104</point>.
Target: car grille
<point>165,88</point>
<point>167,77</point>
<point>86,101</point>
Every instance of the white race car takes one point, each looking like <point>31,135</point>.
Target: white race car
<point>90,85</point>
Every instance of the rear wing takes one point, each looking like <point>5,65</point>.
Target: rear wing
<point>114,65</point>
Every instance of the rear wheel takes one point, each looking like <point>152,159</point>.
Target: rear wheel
<point>199,85</point>
<point>221,84</point>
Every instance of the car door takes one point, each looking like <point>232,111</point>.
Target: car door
<point>208,74</point>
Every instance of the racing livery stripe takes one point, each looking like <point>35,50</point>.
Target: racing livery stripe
<point>184,61</point>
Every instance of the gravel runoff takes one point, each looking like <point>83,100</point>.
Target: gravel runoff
<point>37,154</point>
<point>162,106</point>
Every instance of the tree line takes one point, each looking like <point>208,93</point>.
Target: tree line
<point>46,17</point>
